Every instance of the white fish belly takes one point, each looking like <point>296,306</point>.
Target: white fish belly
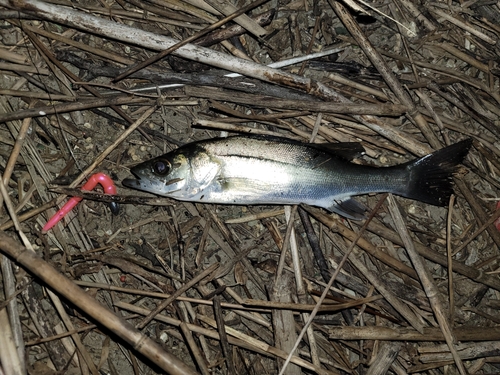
<point>244,180</point>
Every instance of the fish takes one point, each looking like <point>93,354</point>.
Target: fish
<point>268,170</point>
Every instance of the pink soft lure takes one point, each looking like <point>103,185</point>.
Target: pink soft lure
<point>99,178</point>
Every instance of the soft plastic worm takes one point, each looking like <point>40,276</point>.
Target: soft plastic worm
<point>99,178</point>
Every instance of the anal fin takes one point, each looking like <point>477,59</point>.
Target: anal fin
<point>349,208</point>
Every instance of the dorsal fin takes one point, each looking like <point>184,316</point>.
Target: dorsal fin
<point>345,150</point>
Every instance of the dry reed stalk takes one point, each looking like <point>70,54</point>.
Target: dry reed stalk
<point>82,351</point>
<point>437,120</point>
<point>235,14</point>
<point>284,244</point>
<point>221,329</point>
<point>72,293</point>
<point>436,257</point>
<point>347,255</point>
<point>478,210</point>
<point>466,351</point>
<point>227,9</point>
<point>485,122</point>
<point>235,128</point>
<point>211,57</point>
<point>369,90</point>
<point>37,95</point>
<point>308,307</point>
<point>10,223</point>
<point>82,46</point>
<point>449,254</point>
<point>199,301</point>
<point>253,316</point>
<point>234,337</point>
<point>427,282</point>
<point>197,11</point>
<point>14,57</point>
<point>50,59</point>
<point>446,72</point>
<point>464,25</point>
<point>354,258</point>
<point>386,73</point>
<point>314,242</point>
<point>113,145</point>
<point>283,320</point>
<point>200,361</point>
<point>56,351</point>
<point>232,250</point>
<point>337,227</point>
<point>16,150</point>
<point>71,107</point>
<point>174,18</point>
<point>385,357</point>
<point>14,322</point>
<point>9,356</point>
<point>23,68</point>
<point>408,334</point>
<point>270,102</point>
<point>463,56</point>
<point>17,362</point>
<point>300,287</point>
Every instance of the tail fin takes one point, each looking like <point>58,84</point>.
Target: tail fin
<point>431,177</point>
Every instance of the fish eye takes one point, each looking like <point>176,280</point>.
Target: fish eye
<point>161,167</point>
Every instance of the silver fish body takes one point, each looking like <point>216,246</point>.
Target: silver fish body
<point>271,170</point>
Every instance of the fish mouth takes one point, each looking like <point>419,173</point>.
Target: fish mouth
<point>150,186</point>
<point>138,183</point>
<point>133,183</point>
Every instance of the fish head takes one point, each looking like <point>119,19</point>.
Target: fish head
<point>166,175</point>
<point>181,174</point>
